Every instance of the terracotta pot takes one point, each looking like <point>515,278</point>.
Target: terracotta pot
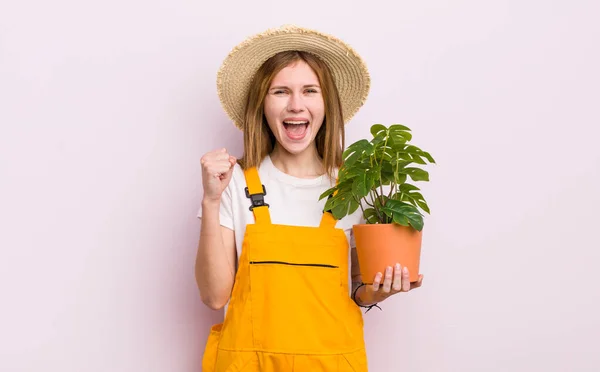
<point>381,245</point>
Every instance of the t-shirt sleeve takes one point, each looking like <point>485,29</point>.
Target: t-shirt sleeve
<point>225,210</point>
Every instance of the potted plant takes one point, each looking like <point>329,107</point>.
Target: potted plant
<point>374,177</point>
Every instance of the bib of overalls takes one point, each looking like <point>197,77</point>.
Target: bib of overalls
<point>290,308</point>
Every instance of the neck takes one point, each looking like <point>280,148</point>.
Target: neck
<point>304,165</point>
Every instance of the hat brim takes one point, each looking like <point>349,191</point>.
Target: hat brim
<point>239,67</point>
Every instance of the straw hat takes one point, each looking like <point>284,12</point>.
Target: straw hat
<point>348,68</point>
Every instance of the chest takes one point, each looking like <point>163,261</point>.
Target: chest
<point>288,204</point>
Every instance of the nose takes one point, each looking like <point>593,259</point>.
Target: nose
<point>295,103</point>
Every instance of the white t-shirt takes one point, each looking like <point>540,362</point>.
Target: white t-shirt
<point>292,201</point>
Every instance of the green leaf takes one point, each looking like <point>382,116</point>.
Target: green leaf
<point>370,216</point>
<point>379,139</point>
<point>384,153</point>
<point>353,206</point>
<point>359,186</point>
<point>342,197</point>
<point>416,221</point>
<point>402,163</point>
<point>398,146</point>
<point>407,187</point>
<point>416,174</point>
<point>387,167</point>
<point>340,211</point>
<point>388,212</point>
<point>411,149</point>
<point>411,196</point>
<point>415,195</point>
<point>401,178</point>
<point>417,159</point>
<point>327,193</point>
<point>341,204</point>
<point>358,145</point>
<point>396,206</point>
<point>373,176</point>
<point>397,140</point>
<point>387,173</point>
<point>407,136</point>
<point>377,129</point>
<point>347,173</point>
<point>400,135</point>
<point>408,211</point>
<point>331,203</point>
<point>399,128</point>
<point>423,205</point>
<point>404,156</point>
<point>428,157</point>
<point>415,151</point>
<point>380,149</point>
<point>355,151</point>
<point>401,219</point>
<point>352,158</point>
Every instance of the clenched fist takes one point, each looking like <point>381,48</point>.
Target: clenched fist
<point>217,168</point>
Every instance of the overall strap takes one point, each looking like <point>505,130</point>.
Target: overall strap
<point>255,191</point>
<point>328,221</point>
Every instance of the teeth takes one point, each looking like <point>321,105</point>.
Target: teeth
<point>295,122</point>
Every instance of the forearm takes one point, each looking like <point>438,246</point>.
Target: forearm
<point>215,262</point>
<point>361,296</point>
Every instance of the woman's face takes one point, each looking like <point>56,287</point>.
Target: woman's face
<point>294,107</point>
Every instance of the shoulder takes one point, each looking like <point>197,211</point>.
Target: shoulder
<point>238,182</point>
<point>238,173</point>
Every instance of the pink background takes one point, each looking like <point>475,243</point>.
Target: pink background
<point>106,108</point>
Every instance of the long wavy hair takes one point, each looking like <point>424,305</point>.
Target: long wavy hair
<point>259,141</point>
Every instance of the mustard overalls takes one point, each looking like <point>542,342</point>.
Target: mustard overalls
<point>289,309</point>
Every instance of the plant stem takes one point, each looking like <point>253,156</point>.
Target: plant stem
<point>375,197</point>
<point>361,207</point>
<point>395,176</point>
<point>383,156</point>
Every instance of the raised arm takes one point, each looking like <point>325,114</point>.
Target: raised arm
<point>215,259</point>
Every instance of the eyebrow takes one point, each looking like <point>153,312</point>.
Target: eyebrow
<point>286,87</point>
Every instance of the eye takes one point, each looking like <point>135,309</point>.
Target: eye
<point>312,90</point>
<point>278,91</point>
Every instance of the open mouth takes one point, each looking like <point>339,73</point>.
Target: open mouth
<point>296,129</point>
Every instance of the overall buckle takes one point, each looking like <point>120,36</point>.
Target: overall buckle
<point>258,200</point>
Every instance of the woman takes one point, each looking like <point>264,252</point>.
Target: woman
<point>268,253</point>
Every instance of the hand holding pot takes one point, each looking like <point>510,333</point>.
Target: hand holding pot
<point>394,280</point>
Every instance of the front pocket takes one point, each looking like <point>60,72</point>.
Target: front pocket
<point>297,307</point>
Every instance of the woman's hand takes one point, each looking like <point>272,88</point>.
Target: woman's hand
<point>217,168</point>
<point>394,280</point>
